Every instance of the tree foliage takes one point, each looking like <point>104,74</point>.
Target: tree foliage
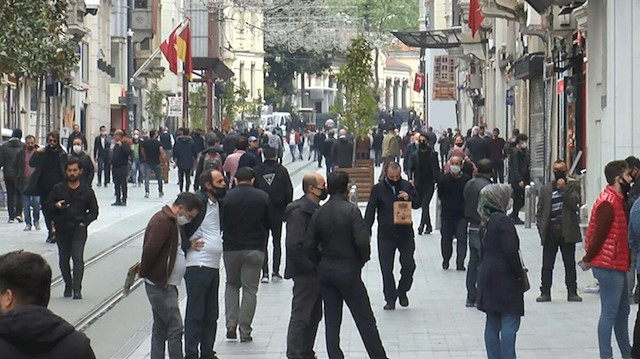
<point>33,42</point>
<point>154,107</point>
<point>386,15</point>
<point>355,77</point>
<point>228,101</point>
<point>197,100</point>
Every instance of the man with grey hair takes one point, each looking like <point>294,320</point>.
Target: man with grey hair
<point>328,151</point>
<point>477,147</point>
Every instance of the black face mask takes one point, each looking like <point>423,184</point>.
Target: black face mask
<point>560,175</point>
<point>219,193</point>
<point>323,194</point>
<point>393,183</point>
<point>626,186</point>
<point>423,145</point>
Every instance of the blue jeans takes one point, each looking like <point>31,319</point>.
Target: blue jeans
<point>29,202</point>
<point>292,149</point>
<point>614,311</point>
<point>157,170</point>
<point>500,335</point>
<point>135,175</point>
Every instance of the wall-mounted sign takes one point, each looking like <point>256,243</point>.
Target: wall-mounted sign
<point>175,106</point>
<point>444,78</point>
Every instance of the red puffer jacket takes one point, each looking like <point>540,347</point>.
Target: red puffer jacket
<point>614,253</point>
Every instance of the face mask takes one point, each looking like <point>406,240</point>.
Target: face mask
<point>455,169</point>
<point>135,137</point>
<point>219,193</point>
<point>625,186</point>
<point>393,183</point>
<point>559,175</point>
<point>323,194</point>
<point>459,144</point>
<point>523,146</point>
<point>103,133</point>
<point>423,146</point>
<point>182,220</point>
<point>77,149</point>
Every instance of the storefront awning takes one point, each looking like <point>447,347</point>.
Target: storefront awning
<point>542,5</point>
<point>220,70</point>
<point>436,39</point>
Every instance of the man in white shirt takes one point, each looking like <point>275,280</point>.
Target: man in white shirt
<point>202,242</point>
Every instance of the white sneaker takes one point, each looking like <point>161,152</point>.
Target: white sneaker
<point>265,279</point>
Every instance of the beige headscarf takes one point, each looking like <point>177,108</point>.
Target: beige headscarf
<point>493,198</point>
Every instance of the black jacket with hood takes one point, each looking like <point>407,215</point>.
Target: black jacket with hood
<point>298,215</point>
<point>8,154</point>
<point>32,331</point>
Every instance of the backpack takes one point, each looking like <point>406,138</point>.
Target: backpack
<point>211,161</point>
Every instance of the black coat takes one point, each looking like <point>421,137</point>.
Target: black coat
<point>184,153</point>
<point>471,195</point>
<point>245,219</point>
<point>318,141</point>
<point>38,185</point>
<point>518,167</point>
<point>81,206</point>
<point>327,151</point>
<point>451,194</point>
<point>424,176</point>
<point>500,274</point>
<point>381,200</point>
<point>100,152</point>
<point>342,153</point>
<point>88,169</point>
<point>32,331</point>
<point>120,155</point>
<point>8,154</point>
<point>274,179</point>
<point>478,148</point>
<point>298,216</point>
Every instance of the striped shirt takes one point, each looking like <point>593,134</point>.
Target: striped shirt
<point>556,206</point>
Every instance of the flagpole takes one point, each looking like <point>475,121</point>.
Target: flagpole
<point>157,51</point>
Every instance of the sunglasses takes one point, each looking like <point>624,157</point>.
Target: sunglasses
<point>422,141</point>
<point>51,140</point>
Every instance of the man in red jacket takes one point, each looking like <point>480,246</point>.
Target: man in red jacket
<point>163,266</point>
<point>608,255</point>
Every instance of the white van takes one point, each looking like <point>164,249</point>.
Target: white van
<point>281,119</point>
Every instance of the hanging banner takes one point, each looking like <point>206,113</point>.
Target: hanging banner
<point>444,78</point>
<point>175,106</point>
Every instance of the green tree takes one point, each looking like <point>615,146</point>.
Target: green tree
<point>228,101</point>
<point>355,77</point>
<point>154,107</point>
<point>197,100</point>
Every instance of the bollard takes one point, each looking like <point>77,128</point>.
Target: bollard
<point>353,195</point>
<point>527,206</point>
<point>438,210</point>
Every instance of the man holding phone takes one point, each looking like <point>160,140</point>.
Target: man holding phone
<point>74,206</point>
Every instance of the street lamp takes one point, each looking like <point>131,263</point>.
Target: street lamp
<point>131,116</point>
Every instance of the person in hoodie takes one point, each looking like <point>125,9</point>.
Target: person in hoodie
<point>343,151</point>
<point>73,206</point>
<point>274,179</point>
<point>8,155</point>
<point>184,156</point>
<point>306,305</point>
<point>27,328</point>
<point>88,169</point>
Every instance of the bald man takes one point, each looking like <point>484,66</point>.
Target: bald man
<point>306,306</point>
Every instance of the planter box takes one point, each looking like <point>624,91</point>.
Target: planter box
<point>362,177</point>
<point>165,173</point>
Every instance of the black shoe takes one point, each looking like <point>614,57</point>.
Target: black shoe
<point>77,294</point>
<point>445,265</point>
<point>420,230</point>
<point>470,303</point>
<point>124,203</point>
<point>51,238</point>
<point>460,268</point>
<point>544,297</point>
<point>232,333</point>
<point>246,339</point>
<point>403,299</point>
<point>276,278</point>
<point>389,306</point>
<point>68,291</point>
<point>574,297</point>
<point>117,203</point>
<point>428,230</point>
<point>517,221</point>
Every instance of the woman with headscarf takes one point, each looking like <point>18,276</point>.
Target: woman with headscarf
<point>500,285</point>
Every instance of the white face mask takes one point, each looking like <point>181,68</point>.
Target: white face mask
<point>182,220</point>
<point>77,149</point>
<point>523,145</point>
<point>455,169</point>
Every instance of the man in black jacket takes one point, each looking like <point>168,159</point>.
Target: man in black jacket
<point>327,151</point>
<point>425,171</point>
<point>318,144</point>
<point>518,175</point>
<point>8,155</point>
<point>471,195</point>
<point>377,146</point>
<point>478,146</point>
<point>27,328</point>
<point>274,179</point>
<point>306,305</point>
<point>245,227</point>
<point>101,146</point>
<point>88,170</point>
<point>392,237</point>
<point>340,245</point>
<point>74,206</point>
<point>342,152</point>
<point>76,134</point>
<point>120,163</point>
<point>454,223</point>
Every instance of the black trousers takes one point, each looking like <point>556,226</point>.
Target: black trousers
<point>120,181</point>
<point>306,313</point>
<point>387,255</point>
<point>498,171</point>
<point>201,317</point>
<point>184,179</point>
<point>425,191</point>
<point>378,156</point>
<point>71,247</point>
<point>518,200</point>
<point>340,282</point>
<point>14,198</point>
<point>48,218</point>
<point>276,233</point>
<point>635,349</point>
<point>319,156</point>
<point>454,228</point>
<point>103,168</point>
<point>549,250</point>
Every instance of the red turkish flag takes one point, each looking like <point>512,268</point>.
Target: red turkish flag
<point>475,17</point>
<point>417,82</point>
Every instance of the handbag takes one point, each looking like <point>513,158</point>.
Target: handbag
<point>526,285</point>
<point>402,213</point>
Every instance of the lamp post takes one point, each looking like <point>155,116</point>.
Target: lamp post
<point>131,116</point>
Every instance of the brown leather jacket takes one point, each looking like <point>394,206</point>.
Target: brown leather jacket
<point>160,247</point>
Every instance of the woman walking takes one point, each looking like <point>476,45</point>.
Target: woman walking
<point>500,278</point>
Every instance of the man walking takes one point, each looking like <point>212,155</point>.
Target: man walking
<point>327,151</point>
<point>306,305</point>
<point>518,175</point>
<point>245,227</point>
<point>340,245</point>
<point>8,155</point>
<point>120,162</point>
<point>202,242</point>
<point>558,222</point>
<point>101,146</point>
<point>378,137</point>
<point>88,170</point>
<point>318,144</point>
<point>274,179</point>
<point>73,206</point>
<point>76,134</point>
<point>293,139</point>
<point>232,163</point>
<point>391,236</point>
<point>607,252</point>
<point>167,141</point>
<point>390,149</point>
<point>343,151</point>
<point>497,155</point>
<point>152,154</point>
<point>162,267</point>
<point>23,173</point>
<point>446,142</point>
<point>454,223</point>
<point>184,156</point>
<point>471,195</point>
<point>49,164</point>
<point>478,146</point>
<point>425,171</point>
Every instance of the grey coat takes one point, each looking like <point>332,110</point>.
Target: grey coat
<point>571,198</point>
